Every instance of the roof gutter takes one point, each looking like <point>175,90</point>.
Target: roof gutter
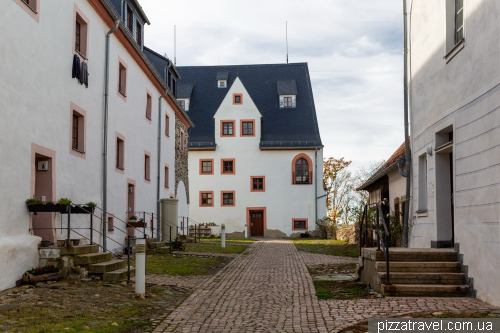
<point>377,177</point>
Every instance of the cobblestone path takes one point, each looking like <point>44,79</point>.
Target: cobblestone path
<point>270,290</point>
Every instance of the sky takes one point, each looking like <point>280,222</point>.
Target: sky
<point>354,50</point>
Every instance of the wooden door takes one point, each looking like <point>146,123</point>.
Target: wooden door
<point>257,223</point>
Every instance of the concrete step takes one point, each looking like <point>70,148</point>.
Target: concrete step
<point>119,274</point>
<point>155,245</point>
<point>92,258</point>
<point>419,267</point>
<point>428,290</point>
<point>106,266</point>
<point>423,278</point>
<point>404,254</point>
<point>79,249</point>
<point>165,249</point>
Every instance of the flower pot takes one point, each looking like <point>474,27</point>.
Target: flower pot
<point>61,243</point>
<point>48,209</point>
<point>82,210</point>
<point>45,243</point>
<point>76,242</point>
<point>135,224</point>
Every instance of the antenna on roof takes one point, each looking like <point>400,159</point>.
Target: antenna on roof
<point>175,51</point>
<point>286,34</point>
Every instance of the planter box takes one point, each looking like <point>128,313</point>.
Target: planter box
<point>136,224</point>
<point>48,209</point>
<point>82,210</point>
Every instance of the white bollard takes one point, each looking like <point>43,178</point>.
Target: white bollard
<point>223,235</point>
<point>140,266</point>
<point>246,227</point>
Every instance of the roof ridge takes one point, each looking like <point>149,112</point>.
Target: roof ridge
<point>248,65</point>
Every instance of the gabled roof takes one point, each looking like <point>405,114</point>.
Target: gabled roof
<point>281,128</point>
<point>184,90</point>
<point>389,165</point>
<point>287,87</point>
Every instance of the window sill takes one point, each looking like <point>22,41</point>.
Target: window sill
<point>454,51</point>
<point>120,168</point>
<point>81,152</point>
<point>148,118</point>
<point>81,54</point>
<point>421,213</point>
<point>34,11</point>
<point>147,179</point>
<point>122,93</point>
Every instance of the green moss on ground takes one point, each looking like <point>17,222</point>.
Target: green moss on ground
<point>215,248</point>
<point>170,265</point>
<point>326,246</point>
<point>341,290</point>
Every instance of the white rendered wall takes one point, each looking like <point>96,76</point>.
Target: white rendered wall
<point>282,200</point>
<point>463,93</point>
<point>36,89</point>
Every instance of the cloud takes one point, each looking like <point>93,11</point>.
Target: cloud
<point>354,50</point>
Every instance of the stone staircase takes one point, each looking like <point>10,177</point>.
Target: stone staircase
<point>414,272</point>
<point>97,264</point>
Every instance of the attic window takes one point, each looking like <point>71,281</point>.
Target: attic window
<point>287,91</point>
<point>222,79</point>
<point>288,101</point>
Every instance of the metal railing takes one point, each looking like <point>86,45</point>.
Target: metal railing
<point>363,236</point>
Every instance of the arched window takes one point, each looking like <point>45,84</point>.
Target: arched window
<point>301,171</point>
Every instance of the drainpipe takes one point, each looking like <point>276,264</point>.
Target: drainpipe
<point>105,141</point>
<point>407,144</point>
<point>316,184</point>
<point>158,222</point>
<point>401,163</point>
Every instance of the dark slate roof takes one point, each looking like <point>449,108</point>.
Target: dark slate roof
<point>184,90</point>
<point>117,5</point>
<point>222,75</point>
<point>287,87</point>
<point>159,62</point>
<point>287,128</point>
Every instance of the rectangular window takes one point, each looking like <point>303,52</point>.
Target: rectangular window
<point>182,139</point>
<point>222,84</point>
<point>147,167</point>
<point>299,224</point>
<point>287,102</point>
<point>122,80</point>
<point>167,125</point>
<point>130,19</point>
<point>228,167</point>
<point>248,128</point>
<point>237,99</point>
<point>149,106</point>
<point>166,177</point>
<point>228,199</point>
<point>111,223</point>
<point>182,104</point>
<point>257,183</point>
<point>138,30</point>
<point>75,132</point>
<point>77,37</point>
<point>422,183</point>
<point>120,146</point>
<point>227,128</point>
<point>206,199</point>
<point>206,166</point>
<point>459,21</point>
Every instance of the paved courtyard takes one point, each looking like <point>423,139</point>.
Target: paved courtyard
<point>270,290</point>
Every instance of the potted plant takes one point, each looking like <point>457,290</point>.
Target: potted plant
<point>88,208</point>
<point>133,218</point>
<point>135,222</point>
<point>75,241</point>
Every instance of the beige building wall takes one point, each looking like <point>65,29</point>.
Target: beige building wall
<point>457,90</point>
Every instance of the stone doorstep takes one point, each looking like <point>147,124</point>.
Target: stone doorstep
<point>92,258</point>
<point>119,274</point>
<point>429,290</point>
<point>422,266</point>
<point>413,255</point>
<point>423,278</point>
<point>106,266</point>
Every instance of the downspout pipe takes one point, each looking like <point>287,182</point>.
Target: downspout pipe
<point>158,222</point>
<point>407,140</point>
<point>401,164</point>
<point>105,140</point>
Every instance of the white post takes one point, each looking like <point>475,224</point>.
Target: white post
<point>223,235</point>
<point>140,266</point>
<point>246,227</point>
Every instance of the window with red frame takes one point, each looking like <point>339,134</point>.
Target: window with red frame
<point>227,128</point>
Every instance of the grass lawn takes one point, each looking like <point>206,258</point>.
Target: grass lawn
<point>168,265</point>
<point>215,248</point>
<point>326,246</point>
<point>340,290</point>
<point>242,241</point>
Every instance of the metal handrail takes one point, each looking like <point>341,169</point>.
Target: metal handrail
<point>385,245</point>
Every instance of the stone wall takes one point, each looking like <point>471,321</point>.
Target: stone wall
<point>347,233</point>
<point>181,157</point>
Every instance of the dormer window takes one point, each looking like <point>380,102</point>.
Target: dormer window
<point>184,103</point>
<point>184,91</point>
<point>222,79</point>
<point>287,91</point>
